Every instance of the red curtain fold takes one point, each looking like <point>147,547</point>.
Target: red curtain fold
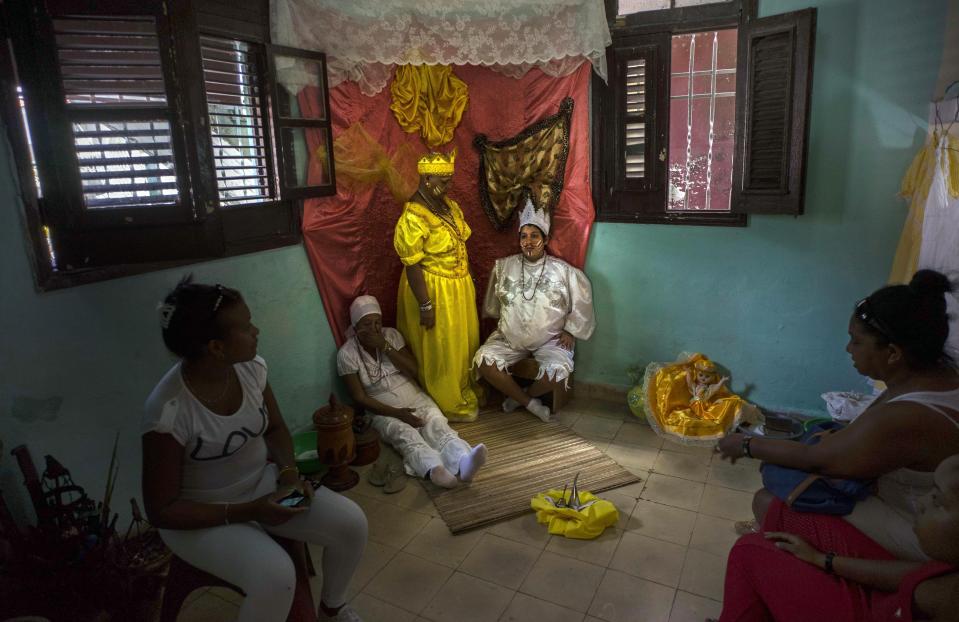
<point>310,99</point>
<point>349,237</point>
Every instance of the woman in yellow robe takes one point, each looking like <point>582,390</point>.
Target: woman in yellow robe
<point>436,303</point>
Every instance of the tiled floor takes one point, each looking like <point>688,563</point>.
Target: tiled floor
<point>665,560</point>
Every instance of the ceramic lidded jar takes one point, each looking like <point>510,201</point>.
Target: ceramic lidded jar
<point>335,444</point>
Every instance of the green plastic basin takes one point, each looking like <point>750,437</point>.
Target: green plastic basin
<point>302,442</point>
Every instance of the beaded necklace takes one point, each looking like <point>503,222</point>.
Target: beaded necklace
<point>542,273</point>
<point>447,219</point>
<point>375,374</point>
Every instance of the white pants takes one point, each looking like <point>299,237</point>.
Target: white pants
<point>245,555</point>
<point>555,361</point>
<point>423,448</point>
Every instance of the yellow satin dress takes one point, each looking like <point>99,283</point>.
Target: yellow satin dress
<point>445,352</point>
<point>674,413</point>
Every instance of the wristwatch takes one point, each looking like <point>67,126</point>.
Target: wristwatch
<point>387,348</point>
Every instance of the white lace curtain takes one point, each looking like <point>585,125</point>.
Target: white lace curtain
<point>364,39</point>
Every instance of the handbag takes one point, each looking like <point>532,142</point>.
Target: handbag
<point>810,492</point>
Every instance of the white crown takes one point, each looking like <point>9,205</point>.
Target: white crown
<point>533,216</point>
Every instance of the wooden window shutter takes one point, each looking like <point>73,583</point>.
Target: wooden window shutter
<point>634,136</point>
<point>772,93</point>
<point>110,151</point>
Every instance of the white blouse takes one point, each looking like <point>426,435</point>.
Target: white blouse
<point>536,301</point>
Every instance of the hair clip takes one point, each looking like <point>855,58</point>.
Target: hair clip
<point>166,314</point>
<point>219,297</point>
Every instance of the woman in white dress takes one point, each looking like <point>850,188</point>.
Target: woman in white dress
<point>544,305</point>
<point>380,372</point>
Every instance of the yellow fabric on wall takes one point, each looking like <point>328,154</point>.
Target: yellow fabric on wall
<point>445,352</point>
<point>361,160</point>
<point>915,187</point>
<point>429,99</point>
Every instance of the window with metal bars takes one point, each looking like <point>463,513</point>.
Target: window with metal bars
<point>151,127</point>
<point>706,112</point>
<point>117,107</point>
<point>232,73</point>
<point>635,118</point>
<point>702,120</point>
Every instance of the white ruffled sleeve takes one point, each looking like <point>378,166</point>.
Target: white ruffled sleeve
<point>347,359</point>
<point>394,338</point>
<point>580,322</point>
<point>165,418</point>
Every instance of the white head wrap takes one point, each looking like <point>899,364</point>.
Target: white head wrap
<point>533,216</point>
<point>363,306</point>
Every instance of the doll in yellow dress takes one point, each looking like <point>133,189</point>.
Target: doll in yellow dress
<point>688,402</point>
<point>704,383</point>
<point>436,302</point>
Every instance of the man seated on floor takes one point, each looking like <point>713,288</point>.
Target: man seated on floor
<point>380,374</point>
<point>544,305</point>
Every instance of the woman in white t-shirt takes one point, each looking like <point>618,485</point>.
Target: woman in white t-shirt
<point>217,458</point>
<point>380,372</point>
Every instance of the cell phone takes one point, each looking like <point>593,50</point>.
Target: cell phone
<point>293,500</point>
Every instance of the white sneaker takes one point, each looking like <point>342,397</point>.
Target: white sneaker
<point>509,405</point>
<point>345,614</point>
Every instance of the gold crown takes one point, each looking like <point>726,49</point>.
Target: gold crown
<point>704,365</point>
<point>436,164</point>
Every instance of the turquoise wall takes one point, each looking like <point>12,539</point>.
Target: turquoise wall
<point>77,364</point>
<point>771,301</point>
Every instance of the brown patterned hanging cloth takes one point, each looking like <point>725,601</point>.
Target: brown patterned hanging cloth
<point>533,161</point>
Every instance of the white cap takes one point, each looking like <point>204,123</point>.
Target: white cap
<point>533,216</point>
<point>363,306</point>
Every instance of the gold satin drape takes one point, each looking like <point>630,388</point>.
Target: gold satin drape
<point>534,160</point>
<point>915,187</point>
<point>428,99</point>
<point>361,160</point>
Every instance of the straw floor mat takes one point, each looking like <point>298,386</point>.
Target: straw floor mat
<point>526,456</point>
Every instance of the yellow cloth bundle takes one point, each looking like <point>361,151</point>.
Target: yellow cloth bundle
<point>584,524</point>
<point>429,99</point>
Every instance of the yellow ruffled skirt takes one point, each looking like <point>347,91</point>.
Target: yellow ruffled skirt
<point>445,352</point>
<point>672,413</point>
